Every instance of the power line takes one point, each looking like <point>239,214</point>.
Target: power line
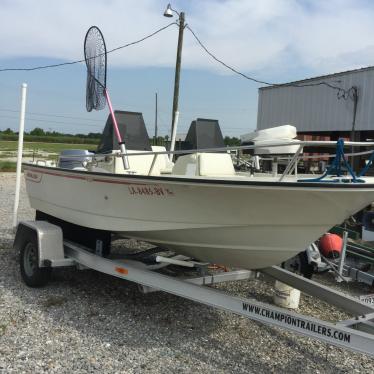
<point>57,122</point>
<point>79,61</point>
<point>53,115</point>
<point>142,39</point>
<point>341,92</point>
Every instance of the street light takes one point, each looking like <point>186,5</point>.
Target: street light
<point>175,114</point>
<point>168,12</point>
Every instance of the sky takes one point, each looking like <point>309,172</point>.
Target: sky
<point>273,40</point>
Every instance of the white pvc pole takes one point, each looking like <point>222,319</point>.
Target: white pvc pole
<point>19,154</point>
<point>174,135</point>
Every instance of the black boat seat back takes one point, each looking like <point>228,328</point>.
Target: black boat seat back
<point>204,133</point>
<point>132,129</point>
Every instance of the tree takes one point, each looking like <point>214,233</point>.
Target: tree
<point>37,131</point>
<point>94,135</point>
<point>8,131</point>
<point>231,142</point>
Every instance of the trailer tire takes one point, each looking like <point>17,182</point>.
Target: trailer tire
<point>32,274</point>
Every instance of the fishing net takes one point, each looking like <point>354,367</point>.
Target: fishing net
<point>96,60</point>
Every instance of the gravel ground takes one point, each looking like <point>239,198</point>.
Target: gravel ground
<point>85,321</point>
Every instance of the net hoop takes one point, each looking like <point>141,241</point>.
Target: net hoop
<point>95,55</point>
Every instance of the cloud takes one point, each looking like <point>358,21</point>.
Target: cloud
<point>251,35</point>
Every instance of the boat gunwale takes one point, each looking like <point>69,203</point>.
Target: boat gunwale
<point>204,181</point>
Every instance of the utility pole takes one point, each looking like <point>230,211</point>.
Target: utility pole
<point>156,109</point>
<point>354,137</point>
<point>355,102</point>
<point>175,114</point>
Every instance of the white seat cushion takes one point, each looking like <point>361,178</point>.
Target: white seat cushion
<point>215,164</point>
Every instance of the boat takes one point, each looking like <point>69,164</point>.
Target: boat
<point>198,206</point>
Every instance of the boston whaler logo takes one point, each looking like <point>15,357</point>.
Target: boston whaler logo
<point>32,176</point>
<point>150,190</point>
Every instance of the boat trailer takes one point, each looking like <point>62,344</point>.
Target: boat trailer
<point>42,248</point>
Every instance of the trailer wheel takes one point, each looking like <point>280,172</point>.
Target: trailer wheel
<point>31,273</point>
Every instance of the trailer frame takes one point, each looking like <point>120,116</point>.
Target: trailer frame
<point>356,334</point>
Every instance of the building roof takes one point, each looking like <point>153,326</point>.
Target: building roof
<point>332,75</point>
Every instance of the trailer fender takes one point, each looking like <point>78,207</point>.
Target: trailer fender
<point>49,241</point>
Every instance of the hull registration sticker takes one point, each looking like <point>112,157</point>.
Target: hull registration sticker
<point>150,190</point>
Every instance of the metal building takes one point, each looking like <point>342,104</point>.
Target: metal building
<point>317,109</point>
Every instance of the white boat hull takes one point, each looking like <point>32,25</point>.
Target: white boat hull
<point>233,222</point>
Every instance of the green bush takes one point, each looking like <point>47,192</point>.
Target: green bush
<point>7,166</point>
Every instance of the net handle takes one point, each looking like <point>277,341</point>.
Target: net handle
<point>116,130</point>
<point>115,124</point>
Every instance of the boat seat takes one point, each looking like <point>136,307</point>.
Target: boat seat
<point>142,164</point>
<point>204,164</point>
<point>185,165</point>
<point>162,165</point>
<point>215,164</point>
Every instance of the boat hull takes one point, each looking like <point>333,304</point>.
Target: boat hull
<point>233,222</point>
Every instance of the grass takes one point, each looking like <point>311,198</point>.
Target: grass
<point>7,166</point>
<point>6,154</point>
<point>45,147</point>
<point>8,149</point>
